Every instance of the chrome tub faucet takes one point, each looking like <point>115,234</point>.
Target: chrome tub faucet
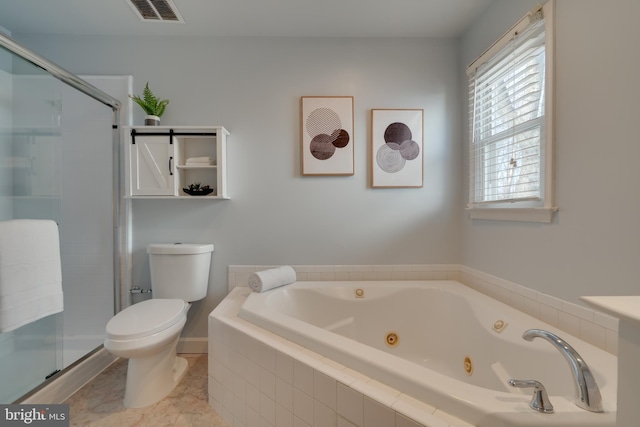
<point>588,393</point>
<point>540,400</point>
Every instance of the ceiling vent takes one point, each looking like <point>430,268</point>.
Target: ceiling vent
<point>156,10</point>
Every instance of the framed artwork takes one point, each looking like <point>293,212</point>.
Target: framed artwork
<point>396,148</point>
<point>327,135</point>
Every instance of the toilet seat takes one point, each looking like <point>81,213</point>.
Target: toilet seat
<point>146,318</point>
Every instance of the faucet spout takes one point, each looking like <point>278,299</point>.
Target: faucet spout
<point>588,393</point>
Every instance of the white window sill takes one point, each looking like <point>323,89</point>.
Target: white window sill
<point>513,214</point>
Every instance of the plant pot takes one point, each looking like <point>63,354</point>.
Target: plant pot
<point>152,121</point>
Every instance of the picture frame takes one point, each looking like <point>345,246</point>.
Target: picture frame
<point>397,148</point>
<point>326,133</point>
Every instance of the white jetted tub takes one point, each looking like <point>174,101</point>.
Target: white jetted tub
<point>440,342</point>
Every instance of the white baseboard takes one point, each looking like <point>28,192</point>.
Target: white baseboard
<point>66,383</point>
<point>193,345</point>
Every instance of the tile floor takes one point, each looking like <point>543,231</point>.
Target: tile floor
<point>99,403</point>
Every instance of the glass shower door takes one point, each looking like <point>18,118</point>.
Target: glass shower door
<point>87,223</point>
<point>30,148</point>
<point>56,162</point>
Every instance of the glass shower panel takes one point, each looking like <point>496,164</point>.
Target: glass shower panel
<point>6,118</point>
<point>56,162</point>
<point>86,228</point>
<point>30,148</point>
<point>36,146</point>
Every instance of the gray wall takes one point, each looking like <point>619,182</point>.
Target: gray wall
<point>593,245</point>
<point>252,87</point>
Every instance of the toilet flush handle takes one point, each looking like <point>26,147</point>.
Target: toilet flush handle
<point>139,290</point>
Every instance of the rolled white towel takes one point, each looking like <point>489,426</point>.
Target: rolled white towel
<point>272,278</point>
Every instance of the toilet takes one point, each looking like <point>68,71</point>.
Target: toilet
<point>147,333</point>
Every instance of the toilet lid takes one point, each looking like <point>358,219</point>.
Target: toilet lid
<point>145,318</point>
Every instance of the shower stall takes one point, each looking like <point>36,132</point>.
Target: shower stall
<point>59,160</point>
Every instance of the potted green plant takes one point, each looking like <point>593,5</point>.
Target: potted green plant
<point>151,105</point>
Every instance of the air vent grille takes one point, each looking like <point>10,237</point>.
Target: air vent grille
<point>164,10</point>
<point>156,10</point>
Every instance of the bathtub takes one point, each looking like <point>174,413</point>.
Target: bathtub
<point>439,342</point>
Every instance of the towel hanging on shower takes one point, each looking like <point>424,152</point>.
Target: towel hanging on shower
<point>30,272</point>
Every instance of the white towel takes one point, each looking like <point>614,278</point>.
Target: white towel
<point>200,160</point>
<point>272,278</point>
<point>30,272</point>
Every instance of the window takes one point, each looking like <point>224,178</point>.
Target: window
<point>510,164</point>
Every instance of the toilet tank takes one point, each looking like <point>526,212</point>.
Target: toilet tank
<point>179,270</point>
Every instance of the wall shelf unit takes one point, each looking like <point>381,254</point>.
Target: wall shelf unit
<point>163,160</point>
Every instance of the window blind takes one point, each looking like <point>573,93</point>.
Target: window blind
<point>507,109</point>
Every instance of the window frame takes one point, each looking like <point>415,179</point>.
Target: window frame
<point>541,210</point>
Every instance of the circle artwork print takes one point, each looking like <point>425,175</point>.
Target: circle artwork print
<point>322,120</point>
<point>321,147</point>
<point>325,129</point>
<point>399,147</point>
<point>397,132</point>
<point>389,158</point>
<point>409,149</point>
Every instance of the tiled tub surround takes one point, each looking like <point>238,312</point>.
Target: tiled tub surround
<point>594,327</point>
<point>257,378</point>
<point>491,412</point>
<point>436,329</point>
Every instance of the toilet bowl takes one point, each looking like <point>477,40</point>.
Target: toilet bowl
<point>147,333</point>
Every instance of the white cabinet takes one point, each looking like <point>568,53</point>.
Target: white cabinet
<point>163,161</point>
<point>152,166</point>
